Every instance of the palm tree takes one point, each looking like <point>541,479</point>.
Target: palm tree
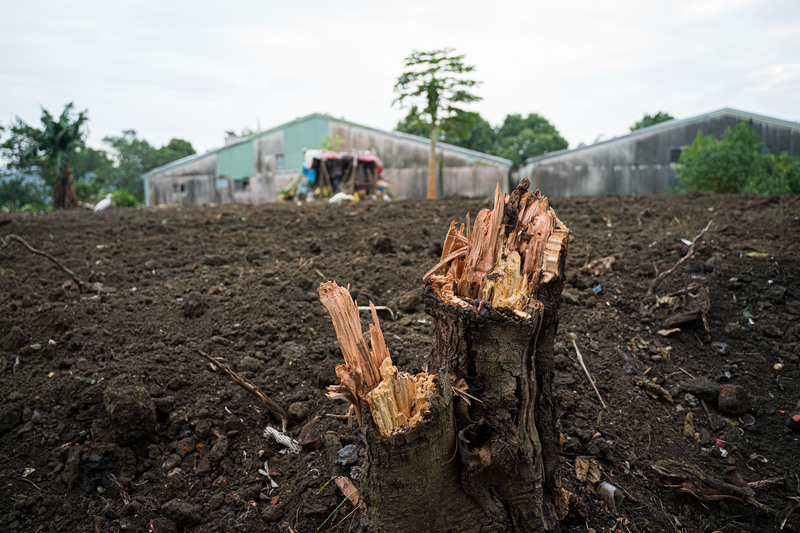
<point>49,149</point>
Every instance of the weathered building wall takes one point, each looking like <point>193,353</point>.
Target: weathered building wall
<point>199,180</point>
<point>405,162</point>
<point>643,162</point>
<point>256,169</point>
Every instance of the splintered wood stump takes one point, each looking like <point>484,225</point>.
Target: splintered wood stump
<point>472,448</point>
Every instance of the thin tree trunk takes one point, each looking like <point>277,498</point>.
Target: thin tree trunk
<point>64,195</point>
<point>432,165</point>
<point>472,448</point>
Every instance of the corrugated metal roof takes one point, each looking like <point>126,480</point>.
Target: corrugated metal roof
<point>668,125</point>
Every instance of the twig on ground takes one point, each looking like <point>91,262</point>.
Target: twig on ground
<point>266,402</point>
<point>588,375</point>
<point>766,482</point>
<point>34,486</point>
<point>682,260</point>
<point>11,237</point>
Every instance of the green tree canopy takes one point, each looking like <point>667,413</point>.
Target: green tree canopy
<point>413,124</point>
<point>48,150</point>
<point>436,84</point>
<point>649,120</point>
<point>517,138</point>
<point>736,163</point>
<point>473,132</point>
<point>24,189</point>
<point>133,156</point>
<point>521,138</point>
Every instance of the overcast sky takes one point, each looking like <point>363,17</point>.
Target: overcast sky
<point>192,70</point>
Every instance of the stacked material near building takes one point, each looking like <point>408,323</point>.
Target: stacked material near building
<point>257,168</point>
<point>644,161</point>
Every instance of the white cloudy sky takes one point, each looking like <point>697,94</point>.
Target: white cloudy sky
<point>175,68</point>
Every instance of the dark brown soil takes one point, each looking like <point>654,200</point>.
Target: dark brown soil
<point>111,420</point>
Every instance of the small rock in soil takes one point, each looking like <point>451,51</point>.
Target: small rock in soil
<point>691,400</point>
<point>735,330</point>
<point>347,455</point>
<point>409,301</point>
<point>733,400</point>
<point>250,364</point>
<point>72,467</point>
<point>292,351</point>
<point>719,347</point>
<point>182,512</point>
<point>163,525</point>
<point>14,340</point>
<point>203,467</point>
<point>9,418</point>
<point>775,293</point>
<point>383,244</point>
<point>14,396</point>
<point>598,448</point>
<point>218,450</point>
<point>299,410</point>
<point>131,410</point>
<point>216,501</point>
<point>193,306</point>
<point>571,296</point>
<point>272,513</point>
<point>701,388</point>
<point>171,462</point>
<point>705,437</point>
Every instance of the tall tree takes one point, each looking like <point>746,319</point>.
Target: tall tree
<point>650,120</point>
<point>436,84</point>
<point>50,150</point>
<point>522,138</point>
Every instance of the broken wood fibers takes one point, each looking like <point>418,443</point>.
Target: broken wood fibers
<point>512,250</point>
<point>490,465</point>
<point>396,400</point>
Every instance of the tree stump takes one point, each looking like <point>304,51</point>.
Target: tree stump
<point>472,448</point>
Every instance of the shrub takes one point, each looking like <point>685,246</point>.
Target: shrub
<point>123,198</point>
<point>724,166</point>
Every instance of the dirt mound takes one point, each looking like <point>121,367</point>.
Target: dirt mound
<point>112,421</point>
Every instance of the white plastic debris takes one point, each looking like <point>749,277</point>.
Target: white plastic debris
<point>283,439</point>
<point>265,472</point>
<point>339,197</point>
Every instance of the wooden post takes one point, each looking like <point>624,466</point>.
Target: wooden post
<point>480,438</point>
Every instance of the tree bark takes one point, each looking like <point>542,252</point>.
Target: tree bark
<point>479,454</point>
<point>432,165</point>
<point>64,194</point>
